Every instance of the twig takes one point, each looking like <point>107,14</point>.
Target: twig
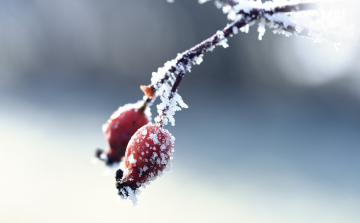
<point>183,62</point>
<point>171,96</point>
<point>194,55</point>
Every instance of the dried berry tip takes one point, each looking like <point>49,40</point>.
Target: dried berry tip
<point>124,188</point>
<point>148,91</point>
<point>98,153</point>
<point>119,174</point>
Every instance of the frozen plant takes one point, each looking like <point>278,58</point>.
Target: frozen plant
<point>149,150</point>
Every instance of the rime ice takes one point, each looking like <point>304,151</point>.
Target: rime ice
<point>321,20</point>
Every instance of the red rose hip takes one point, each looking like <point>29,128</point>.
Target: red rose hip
<point>147,155</point>
<point>119,129</point>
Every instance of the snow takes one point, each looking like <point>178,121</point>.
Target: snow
<point>132,195</point>
<point>245,29</point>
<point>154,138</point>
<point>261,29</point>
<point>198,59</point>
<point>235,30</point>
<point>167,107</point>
<point>131,159</point>
<point>154,155</point>
<point>332,21</point>
<point>203,1</point>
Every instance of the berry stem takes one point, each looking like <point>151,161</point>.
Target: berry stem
<point>147,102</point>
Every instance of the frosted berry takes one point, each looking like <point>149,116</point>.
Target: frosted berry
<point>119,129</point>
<point>147,155</point>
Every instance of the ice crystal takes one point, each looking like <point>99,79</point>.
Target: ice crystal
<point>334,21</point>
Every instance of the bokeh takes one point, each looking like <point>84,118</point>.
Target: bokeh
<point>272,132</point>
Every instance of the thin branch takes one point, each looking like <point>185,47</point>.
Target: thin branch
<point>171,96</point>
<point>183,62</point>
<point>254,14</point>
<point>293,8</point>
<point>194,55</point>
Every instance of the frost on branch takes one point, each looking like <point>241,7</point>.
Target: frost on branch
<point>320,21</point>
<point>170,103</point>
<point>166,80</point>
<point>334,21</point>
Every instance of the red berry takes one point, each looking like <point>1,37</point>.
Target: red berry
<point>119,129</point>
<point>147,155</point>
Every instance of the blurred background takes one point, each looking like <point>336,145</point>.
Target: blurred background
<point>272,132</point>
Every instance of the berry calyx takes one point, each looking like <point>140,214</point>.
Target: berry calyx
<point>119,129</point>
<point>148,91</point>
<point>147,155</point>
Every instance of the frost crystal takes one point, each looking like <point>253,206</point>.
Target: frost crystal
<point>321,20</point>
<point>261,29</point>
<point>170,106</point>
<point>203,1</point>
<point>131,159</point>
<point>132,195</point>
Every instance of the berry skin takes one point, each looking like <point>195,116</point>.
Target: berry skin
<point>119,129</point>
<point>147,155</point>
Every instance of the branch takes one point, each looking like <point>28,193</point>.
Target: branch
<point>183,63</point>
<point>171,96</point>
<point>183,60</point>
<point>164,78</point>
